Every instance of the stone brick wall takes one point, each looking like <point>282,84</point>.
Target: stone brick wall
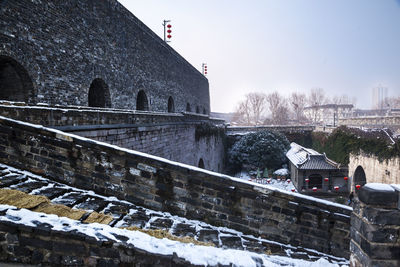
<point>283,129</point>
<point>385,171</point>
<point>171,136</point>
<point>391,122</point>
<point>183,190</point>
<point>43,246</point>
<point>63,46</point>
<point>375,227</point>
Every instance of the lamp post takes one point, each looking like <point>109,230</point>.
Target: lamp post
<point>167,31</point>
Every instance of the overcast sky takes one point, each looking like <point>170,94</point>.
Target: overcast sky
<point>343,46</point>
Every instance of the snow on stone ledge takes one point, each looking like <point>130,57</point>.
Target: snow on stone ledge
<point>200,255</point>
<point>379,187</point>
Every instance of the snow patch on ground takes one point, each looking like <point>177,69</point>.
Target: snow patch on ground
<point>282,172</point>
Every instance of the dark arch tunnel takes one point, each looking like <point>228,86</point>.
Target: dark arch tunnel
<point>359,176</point>
<point>141,101</point>
<point>171,104</point>
<point>15,82</point>
<point>99,95</point>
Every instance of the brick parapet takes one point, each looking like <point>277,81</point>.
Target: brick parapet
<point>180,189</point>
<point>23,244</point>
<point>375,227</point>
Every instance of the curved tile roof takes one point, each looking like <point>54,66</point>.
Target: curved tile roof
<point>309,159</point>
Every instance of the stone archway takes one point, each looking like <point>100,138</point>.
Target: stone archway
<point>171,105</point>
<point>141,102</point>
<point>15,82</point>
<point>359,177</point>
<point>201,163</point>
<point>99,95</point>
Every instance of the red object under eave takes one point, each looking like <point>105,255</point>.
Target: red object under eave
<point>346,178</point>
<point>358,186</point>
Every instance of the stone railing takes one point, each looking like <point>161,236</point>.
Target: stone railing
<point>232,130</point>
<point>72,118</point>
<point>375,226</point>
<point>180,189</point>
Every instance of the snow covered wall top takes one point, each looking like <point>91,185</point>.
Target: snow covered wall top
<point>180,189</point>
<point>97,53</point>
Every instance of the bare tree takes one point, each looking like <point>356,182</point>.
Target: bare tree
<point>298,102</point>
<point>257,104</point>
<point>316,98</point>
<point>251,109</point>
<point>278,107</point>
<point>391,102</point>
<point>343,99</point>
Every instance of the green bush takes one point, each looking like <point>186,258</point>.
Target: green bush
<point>264,149</point>
<point>342,141</point>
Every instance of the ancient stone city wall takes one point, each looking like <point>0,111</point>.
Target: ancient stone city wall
<point>376,171</point>
<point>41,245</point>
<point>183,190</point>
<point>54,51</point>
<point>375,225</point>
<point>187,138</point>
<point>391,122</point>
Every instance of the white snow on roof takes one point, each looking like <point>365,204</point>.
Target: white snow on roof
<point>298,154</point>
<point>200,255</point>
<point>307,158</point>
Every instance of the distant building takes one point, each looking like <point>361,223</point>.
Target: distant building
<point>379,97</point>
<point>310,169</point>
<point>328,114</point>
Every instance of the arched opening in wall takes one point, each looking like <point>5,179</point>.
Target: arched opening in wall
<point>188,109</point>
<point>15,83</point>
<point>171,105</point>
<point>201,163</point>
<point>141,102</point>
<point>197,109</point>
<point>315,181</point>
<point>99,95</point>
<point>204,111</point>
<point>359,177</point>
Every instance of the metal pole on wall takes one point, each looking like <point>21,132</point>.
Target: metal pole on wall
<point>167,30</point>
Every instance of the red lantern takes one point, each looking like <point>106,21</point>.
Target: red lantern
<point>336,188</point>
<point>307,180</point>
<point>169,26</point>
<point>288,181</point>
<point>169,31</point>
<point>314,189</point>
<point>358,186</point>
<point>346,178</point>
<point>169,36</point>
<point>293,189</point>
<point>326,179</point>
<point>268,180</point>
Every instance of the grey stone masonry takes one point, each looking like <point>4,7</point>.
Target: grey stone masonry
<point>180,189</point>
<point>375,226</point>
<point>180,137</point>
<point>61,50</point>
